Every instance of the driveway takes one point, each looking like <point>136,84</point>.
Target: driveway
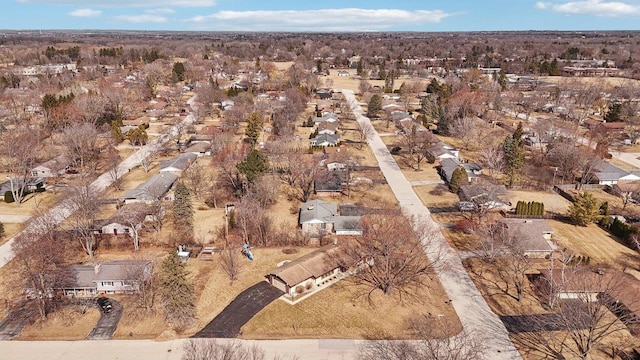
<point>106,326</point>
<point>245,306</point>
<point>473,311</point>
<point>19,317</point>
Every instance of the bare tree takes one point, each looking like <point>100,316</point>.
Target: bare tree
<point>84,205</point>
<point>416,143</point>
<point>153,75</point>
<point>598,311</point>
<point>215,349</point>
<point>391,255</point>
<point>115,171</point>
<point>195,179</point>
<point>365,132</point>
<point>21,146</point>
<point>434,342</point>
<point>493,158</point>
<point>40,263</point>
<point>80,141</point>
<point>466,129</point>
<point>230,262</point>
<point>144,280</point>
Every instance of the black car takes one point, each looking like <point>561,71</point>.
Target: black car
<point>105,304</point>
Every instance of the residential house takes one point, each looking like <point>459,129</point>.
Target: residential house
<point>52,168</point>
<point>330,183</point>
<point>226,104</point>
<point>344,73</point>
<point>127,220</point>
<point>113,277</point>
<point>307,273</point>
<point>486,196</point>
<point>326,117</point>
<point>608,174</point>
<point>179,163</point>
<point>447,167</point>
<point>324,94</point>
<point>328,127</point>
<point>156,188</point>
<point>199,149</point>
<point>319,217</point>
<point>325,140</point>
<point>533,236</point>
<point>441,151</point>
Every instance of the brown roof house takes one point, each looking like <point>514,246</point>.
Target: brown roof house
<point>489,197</point>
<point>533,236</point>
<point>319,268</point>
<point>113,277</point>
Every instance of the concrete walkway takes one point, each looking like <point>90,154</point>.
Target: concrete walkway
<point>473,311</point>
<point>65,208</point>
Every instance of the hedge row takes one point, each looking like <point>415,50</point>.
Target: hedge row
<point>530,208</point>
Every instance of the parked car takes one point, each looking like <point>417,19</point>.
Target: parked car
<point>105,304</point>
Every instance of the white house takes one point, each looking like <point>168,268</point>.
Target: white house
<point>608,174</point>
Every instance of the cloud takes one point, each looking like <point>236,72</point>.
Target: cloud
<point>350,19</point>
<point>603,8</point>
<point>127,3</point>
<point>137,19</point>
<point>85,13</point>
<point>160,11</point>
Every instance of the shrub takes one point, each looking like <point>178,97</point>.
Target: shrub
<point>299,289</point>
<point>8,196</point>
<point>309,286</point>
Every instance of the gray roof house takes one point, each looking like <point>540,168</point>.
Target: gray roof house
<point>317,216</point>
<point>328,116</point>
<point>533,236</point>
<point>608,174</point>
<point>54,167</point>
<point>442,151</point>
<point>325,140</point>
<point>447,166</point>
<point>488,196</point>
<point>153,189</point>
<point>113,277</point>
<point>179,163</point>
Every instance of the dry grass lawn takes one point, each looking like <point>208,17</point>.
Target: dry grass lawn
<point>67,324</point>
<point>436,196</point>
<point>552,201</point>
<point>343,311</point>
<point>596,243</point>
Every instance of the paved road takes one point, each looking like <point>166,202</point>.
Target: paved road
<point>108,322</point>
<point>473,311</point>
<point>168,350</point>
<point>64,209</point>
<point>14,218</point>
<point>246,305</point>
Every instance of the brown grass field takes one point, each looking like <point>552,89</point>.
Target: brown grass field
<point>596,243</point>
<point>69,324</point>
<point>344,311</point>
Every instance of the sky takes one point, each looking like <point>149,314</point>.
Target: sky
<point>321,15</point>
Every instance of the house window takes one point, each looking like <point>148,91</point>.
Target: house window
<point>107,283</point>
<point>323,226</point>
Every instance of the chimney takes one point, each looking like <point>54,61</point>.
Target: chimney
<point>310,207</point>
<point>96,268</point>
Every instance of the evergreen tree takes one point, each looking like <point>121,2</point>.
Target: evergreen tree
<point>375,105</point>
<point>584,210</point>
<point>253,166</point>
<point>182,206</point>
<point>514,158</point>
<point>116,133</point>
<point>176,292</point>
<point>183,213</point>
<point>615,113</point>
<point>254,127</point>
<point>177,74</point>
<point>360,68</point>
<point>458,178</point>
